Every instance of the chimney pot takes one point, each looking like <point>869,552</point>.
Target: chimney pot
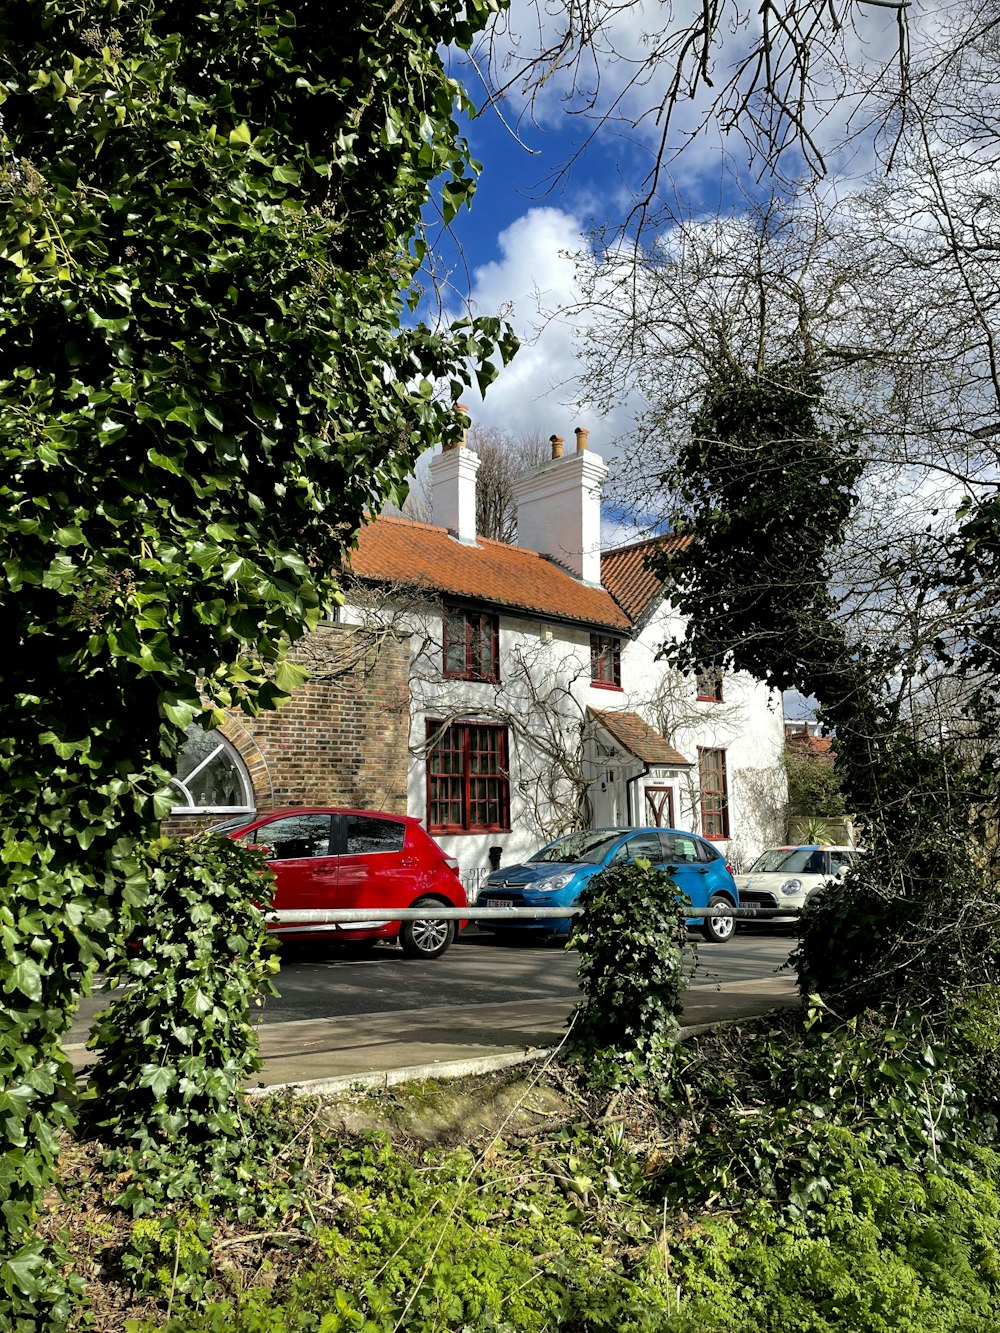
<point>462,441</point>
<point>557,443</point>
<point>581,439</point>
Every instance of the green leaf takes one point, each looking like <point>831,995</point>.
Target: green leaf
<point>288,676</point>
<point>181,711</point>
<point>26,977</point>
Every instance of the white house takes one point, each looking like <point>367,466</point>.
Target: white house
<point>537,702</point>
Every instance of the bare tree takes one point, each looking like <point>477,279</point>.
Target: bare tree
<point>789,75</point>
<point>502,458</point>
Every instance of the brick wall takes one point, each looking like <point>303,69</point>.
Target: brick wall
<point>338,741</point>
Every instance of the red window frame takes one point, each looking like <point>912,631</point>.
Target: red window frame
<point>710,686</point>
<point>468,783</point>
<point>606,661</point>
<point>464,635</point>
<point>714,791</point>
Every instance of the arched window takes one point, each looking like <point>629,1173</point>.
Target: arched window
<point>210,775</point>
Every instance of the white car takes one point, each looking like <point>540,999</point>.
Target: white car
<point>790,876</point>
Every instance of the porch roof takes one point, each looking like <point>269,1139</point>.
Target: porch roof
<point>635,735</point>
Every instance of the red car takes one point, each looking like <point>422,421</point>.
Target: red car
<point>326,858</point>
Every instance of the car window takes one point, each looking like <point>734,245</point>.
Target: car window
<point>679,850</point>
<point>646,845</point>
<point>840,859</point>
<point>786,860</point>
<point>293,837</point>
<point>366,834</point>
<point>590,847</point>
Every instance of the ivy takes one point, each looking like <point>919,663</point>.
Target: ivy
<point>177,1047</point>
<point>631,936</point>
<point>767,481</point>
<point>209,374</point>
<point>764,484</point>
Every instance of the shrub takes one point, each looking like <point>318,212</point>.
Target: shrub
<point>176,1048</point>
<point>915,924</point>
<point>631,937</point>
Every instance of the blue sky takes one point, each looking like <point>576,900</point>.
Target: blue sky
<point>508,253</point>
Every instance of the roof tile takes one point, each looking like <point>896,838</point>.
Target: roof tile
<point>635,734</point>
<point>625,575</point>
<point>399,550</point>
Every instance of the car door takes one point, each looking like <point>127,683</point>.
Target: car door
<point>298,850</point>
<point>692,874</point>
<point>376,869</point>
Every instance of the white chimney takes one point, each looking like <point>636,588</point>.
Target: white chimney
<point>559,508</point>
<point>453,489</point>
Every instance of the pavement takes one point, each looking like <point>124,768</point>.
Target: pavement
<point>332,1054</point>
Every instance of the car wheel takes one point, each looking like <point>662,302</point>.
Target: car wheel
<point>719,929</point>
<point>426,939</point>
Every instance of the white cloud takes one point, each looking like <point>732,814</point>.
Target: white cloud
<point>534,276</point>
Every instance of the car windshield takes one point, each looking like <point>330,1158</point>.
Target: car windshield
<point>789,860</point>
<point>590,847</point>
<point>231,825</point>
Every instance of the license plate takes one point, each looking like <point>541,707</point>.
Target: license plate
<point>498,902</point>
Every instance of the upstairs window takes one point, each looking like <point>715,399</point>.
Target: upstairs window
<point>710,685</point>
<point>714,793</point>
<point>471,645</point>
<point>606,660</point>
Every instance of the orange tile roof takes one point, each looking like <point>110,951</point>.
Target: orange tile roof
<point>626,577</point>
<point>399,550</point>
<point>818,747</point>
<point>639,738</point>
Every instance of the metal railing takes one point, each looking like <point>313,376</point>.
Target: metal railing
<point>434,912</point>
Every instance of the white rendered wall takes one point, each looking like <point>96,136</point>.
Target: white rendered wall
<point>747,724</point>
<point>545,688</point>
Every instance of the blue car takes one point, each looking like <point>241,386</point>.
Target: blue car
<point>556,875</point>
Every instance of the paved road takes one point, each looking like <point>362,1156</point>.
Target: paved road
<point>322,983</point>
<point>478,970</point>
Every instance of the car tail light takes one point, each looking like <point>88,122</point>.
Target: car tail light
<point>730,868</point>
<point>451,863</point>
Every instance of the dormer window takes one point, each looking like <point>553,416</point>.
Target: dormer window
<point>471,644</point>
<point>710,685</point>
<point>606,661</point>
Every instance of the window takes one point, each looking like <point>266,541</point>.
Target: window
<point>645,845</point>
<point>365,835</point>
<point>293,837</point>
<point>678,850</point>
<point>660,806</point>
<point>710,685</point>
<point>210,775</point>
<point>471,645</point>
<point>468,789</point>
<point>605,660</point>
<point>714,793</point>
<point>841,860</point>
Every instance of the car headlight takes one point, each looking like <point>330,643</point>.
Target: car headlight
<point>791,886</point>
<point>551,883</point>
